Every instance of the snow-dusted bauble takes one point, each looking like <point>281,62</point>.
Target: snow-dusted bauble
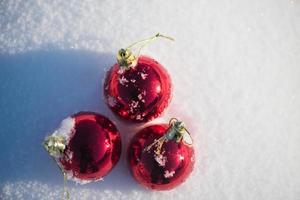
<point>137,88</point>
<point>161,156</point>
<point>86,146</point>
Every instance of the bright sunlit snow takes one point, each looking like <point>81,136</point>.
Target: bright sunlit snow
<point>235,67</point>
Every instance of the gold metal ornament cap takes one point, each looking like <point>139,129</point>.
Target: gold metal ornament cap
<point>127,59</point>
<point>55,145</point>
<point>177,131</point>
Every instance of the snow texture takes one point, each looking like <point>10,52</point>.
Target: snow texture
<point>235,67</point>
<point>66,128</point>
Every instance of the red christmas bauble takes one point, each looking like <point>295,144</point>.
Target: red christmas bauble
<point>139,93</point>
<point>86,146</point>
<point>161,157</point>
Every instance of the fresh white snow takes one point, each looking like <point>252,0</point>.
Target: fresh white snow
<point>235,68</point>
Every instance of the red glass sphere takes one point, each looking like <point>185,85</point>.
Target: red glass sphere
<point>164,171</point>
<point>93,148</point>
<point>139,93</point>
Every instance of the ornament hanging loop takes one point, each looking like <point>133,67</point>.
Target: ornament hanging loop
<point>55,146</point>
<point>172,121</point>
<point>125,56</point>
<point>66,193</point>
<point>177,131</point>
<point>148,40</point>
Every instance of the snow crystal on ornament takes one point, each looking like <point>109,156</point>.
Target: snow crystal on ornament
<point>134,104</point>
<point>181,157</point>
<point>144,76</point>
<point>69,155</point>
<point>121,70</point>
<point>139,117</point>
<point>66,128</point>
<point>160,159</point>
<point>140,96</point>
<point>123,80</point>
<point>168,174</point>
<point>111,101</point>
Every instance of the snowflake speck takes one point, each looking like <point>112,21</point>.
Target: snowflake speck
<point>134,104</point>
<point>111,101</point>
<point>168,174</point>
<point>121,70</point>
<point>69,156</point>
<point>144,76</point>
<point>123,80</point>
<point>140,96</point>
<point>160,159</point>
<point>139,117</point>
<point>181,157</point>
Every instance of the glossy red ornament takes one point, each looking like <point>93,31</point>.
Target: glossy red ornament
<point>139,93</point>
<point>161,157</point>
<point>90,146</point>
<point>137,88</point>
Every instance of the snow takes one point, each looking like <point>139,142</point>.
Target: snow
<point>235,71</point>
<point>66,128</point>
<point>70,176</point>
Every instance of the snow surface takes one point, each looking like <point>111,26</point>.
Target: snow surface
<point>65,128</point>
<point>235,67</point>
